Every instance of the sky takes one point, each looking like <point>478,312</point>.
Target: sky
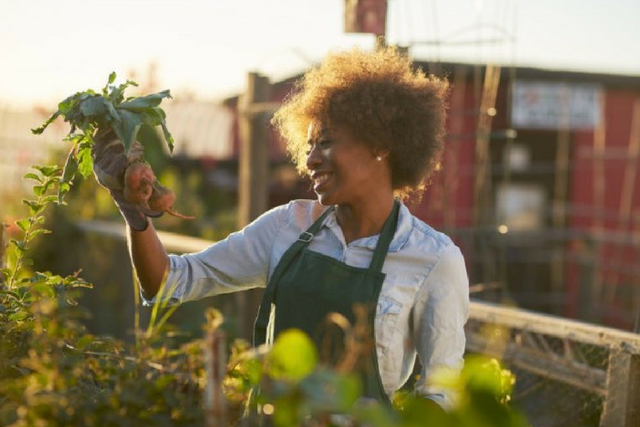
<point>50,49</point>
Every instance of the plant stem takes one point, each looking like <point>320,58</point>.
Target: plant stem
<point>20,257</point>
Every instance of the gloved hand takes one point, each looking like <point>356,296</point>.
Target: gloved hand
<point>110,163</point>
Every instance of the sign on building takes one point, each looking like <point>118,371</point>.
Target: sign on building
<point>365,16</point>
<point>555,105</point>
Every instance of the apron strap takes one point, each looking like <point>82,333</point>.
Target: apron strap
<point>386,236</point>
<point>262,320</point>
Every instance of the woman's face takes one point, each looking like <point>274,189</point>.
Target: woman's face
<point>343,169</point>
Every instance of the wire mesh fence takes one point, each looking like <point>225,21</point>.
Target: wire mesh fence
<point>568,373</point>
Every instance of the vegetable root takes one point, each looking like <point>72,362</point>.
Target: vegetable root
<point>138,180</point>
<point>141,188</point>
<point>162,200</point>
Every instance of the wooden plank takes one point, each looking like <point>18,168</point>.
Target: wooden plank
<point>172,242</point>
<point>621,406</point>
<point>544,364</point>
<point>553,326</point>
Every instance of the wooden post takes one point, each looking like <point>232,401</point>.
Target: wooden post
<point>215,362</point>
<point>621,408</point>
<point>597,227</point>
<point>254,179</point>
<point>559,206</point>
<point>482,191</point>
<point>254,152</point>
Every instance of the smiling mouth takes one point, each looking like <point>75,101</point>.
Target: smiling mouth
<point>320,179</point>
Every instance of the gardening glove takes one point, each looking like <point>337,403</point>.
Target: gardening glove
<point>109,165</point>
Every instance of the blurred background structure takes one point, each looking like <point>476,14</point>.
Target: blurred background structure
<point>539,182</point>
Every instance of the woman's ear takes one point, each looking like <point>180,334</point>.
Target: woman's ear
<point>380,154</point>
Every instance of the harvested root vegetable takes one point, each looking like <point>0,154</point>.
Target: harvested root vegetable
<point>141,188</point>
<point>162,200</point>
<point>138,183</point>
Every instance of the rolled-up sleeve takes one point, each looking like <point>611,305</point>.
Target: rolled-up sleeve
<point>239,262</point>
<point>441,311</point>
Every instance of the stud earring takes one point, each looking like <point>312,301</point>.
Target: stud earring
<point>379,158</point>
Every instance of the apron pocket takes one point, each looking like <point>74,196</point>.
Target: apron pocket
<point>387,313</point>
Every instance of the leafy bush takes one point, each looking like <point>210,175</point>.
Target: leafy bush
<point>53,373</point>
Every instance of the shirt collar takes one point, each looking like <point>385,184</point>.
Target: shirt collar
<point>403,230</point>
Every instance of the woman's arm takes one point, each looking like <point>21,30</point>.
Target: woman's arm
<point>441,312</point>
<point>239,262</point>
<point>149,259</point>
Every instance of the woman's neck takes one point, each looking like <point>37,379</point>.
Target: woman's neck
<point>365,219</point>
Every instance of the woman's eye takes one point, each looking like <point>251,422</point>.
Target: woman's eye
<point>321,144</point>
<point>324,143</point>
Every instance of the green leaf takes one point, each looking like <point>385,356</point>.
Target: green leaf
<point>117,93</point>
<point>18,315</point>
<point>287,412</point>
<point>34,207</point>
<point>253,370</point>
<point>39,130</point>
<point>85,161</point>
<point>126,128</point>
<point>49,199</point>
<point>62,189</point>
<point>20,245</point>
<point>44,289</point>
<point>112,77</point>
<point>37,232</point>
<point>11,294</point>
<point>70,167</point>
<point>112,114</point>
<point>68,106</point>
<point>94,106</point>
<point>145,102</point>
<point>33,176</point>
<point>167,136</point>
<point>68,173</point>
<point>38,190</point>
<point>47,171</point>
<point>293,356</point>
<point>23,224</point>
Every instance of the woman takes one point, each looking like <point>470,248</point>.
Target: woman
<point>369,130</point>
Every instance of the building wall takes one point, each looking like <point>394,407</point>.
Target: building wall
<point>605,197</point>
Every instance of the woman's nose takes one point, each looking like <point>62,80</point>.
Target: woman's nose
<point>313,158</point>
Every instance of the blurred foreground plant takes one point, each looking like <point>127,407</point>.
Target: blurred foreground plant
<point>290,389</point>
<point>53,373</point>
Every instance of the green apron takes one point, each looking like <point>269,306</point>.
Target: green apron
<point>306,286</point>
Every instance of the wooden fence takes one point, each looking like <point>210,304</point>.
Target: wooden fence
<point>598,362</point>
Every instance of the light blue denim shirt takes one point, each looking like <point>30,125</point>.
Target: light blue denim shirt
<point>423,304</point>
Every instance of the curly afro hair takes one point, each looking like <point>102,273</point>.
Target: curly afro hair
<point>379,97</point>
